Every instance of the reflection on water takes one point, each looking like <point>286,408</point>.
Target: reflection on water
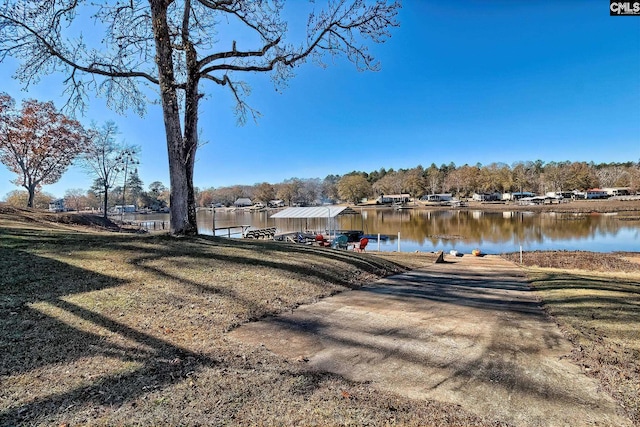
<point>492,232</point>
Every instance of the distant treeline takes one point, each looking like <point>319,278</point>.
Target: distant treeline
<point>462,181</point>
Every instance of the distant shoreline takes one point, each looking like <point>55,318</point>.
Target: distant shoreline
<point>572,206</point>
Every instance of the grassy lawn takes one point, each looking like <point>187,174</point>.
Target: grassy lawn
<point>598,308</point>
<point>104,328</point>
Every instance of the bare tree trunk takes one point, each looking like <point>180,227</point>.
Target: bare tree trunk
<point>32,195</point>
<point>192,97</point>
<point>181,150</point>
<point>106,198</point>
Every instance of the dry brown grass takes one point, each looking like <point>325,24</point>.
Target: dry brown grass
<point>102,328</point>
<point>597,305</point>
<point>11,214</point>
<point>577,260</point>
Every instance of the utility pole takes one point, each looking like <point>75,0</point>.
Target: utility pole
<point>126,157</point>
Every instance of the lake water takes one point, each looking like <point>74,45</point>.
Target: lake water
<point>462,230</point>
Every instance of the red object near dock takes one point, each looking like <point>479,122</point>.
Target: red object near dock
<point>361,245</point>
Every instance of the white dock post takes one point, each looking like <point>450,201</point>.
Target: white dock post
<point>398,241</point>
<point>520,254</point>
<point>378,242</point>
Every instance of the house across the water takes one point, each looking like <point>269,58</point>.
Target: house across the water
<point>517,195</point>
<point>393,199</point>
<point>486,197</point>
<point>596,193</point>
<point>243,202</point>
<point>120,209</point>
<point>57,206</point>
<point>442,197</point>
<point>618,191</point>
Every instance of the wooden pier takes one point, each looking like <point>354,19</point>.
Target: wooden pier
<point>232,230</point>
<point>152,225</point>
<point>261,233</point>
<point>242,230</point>
<point>247,232</point>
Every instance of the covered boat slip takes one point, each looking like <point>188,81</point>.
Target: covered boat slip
<point>329,213</point>
<point>315,212</point>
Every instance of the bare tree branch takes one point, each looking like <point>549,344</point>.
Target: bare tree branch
<point>169,48</point>
<point>108,70</point>
<point>235,54</point>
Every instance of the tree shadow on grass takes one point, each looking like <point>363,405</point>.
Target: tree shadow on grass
<point>610,302</point>
<point>200,245</point>
<point>265,254</point>
<point>559,281</point>
<point>162,365</point>
<point>358,260</point>
<point>33,339</point>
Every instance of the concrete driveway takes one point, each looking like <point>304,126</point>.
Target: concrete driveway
<point>467,332</point>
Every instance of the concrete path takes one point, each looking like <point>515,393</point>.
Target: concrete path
<point>468,332</point>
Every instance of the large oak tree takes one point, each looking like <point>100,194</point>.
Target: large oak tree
<point>354,187</point>
<point>37,142</point>
<point>175,47</point>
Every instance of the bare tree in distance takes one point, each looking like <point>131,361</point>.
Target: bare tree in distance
<point>174,47</point>
<point>103,160</point>
<point>75,197</point>
<point>37,143</point>
<point>19,198</point>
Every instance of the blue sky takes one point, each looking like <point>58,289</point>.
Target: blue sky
<point>463,82</point>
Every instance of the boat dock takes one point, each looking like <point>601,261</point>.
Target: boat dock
<point>232,230</point>
<point>260,233</point>
<point>151,225</point>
